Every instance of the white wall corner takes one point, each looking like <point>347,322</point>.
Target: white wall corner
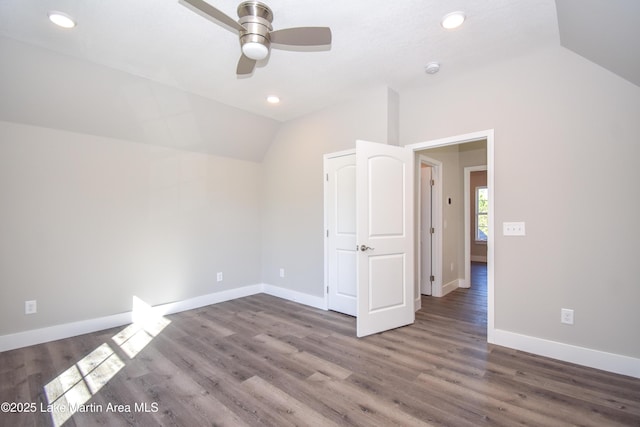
<point>597,359</point>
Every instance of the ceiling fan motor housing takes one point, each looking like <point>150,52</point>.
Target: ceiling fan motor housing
<point>256,18</point>
<point>256,33</point>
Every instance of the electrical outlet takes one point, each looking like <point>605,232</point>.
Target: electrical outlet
<point>219,277</point>
<point>282,272</point>
<point>513,228</point>
<point>30,307</point>
<point>566,316</point>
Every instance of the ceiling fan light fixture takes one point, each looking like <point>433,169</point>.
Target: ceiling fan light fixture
<point>61,19</point>
<point>452,20</point>
<point>254,50</point>
<point>272,99</point>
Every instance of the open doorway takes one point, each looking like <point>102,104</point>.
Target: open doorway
<point>430,226</point>
<point>476,222</point>
<point>455,154</point>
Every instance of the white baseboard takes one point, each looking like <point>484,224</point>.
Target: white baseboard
<point>295,296</point>
<point>67,330</point>
<point>450,287</point>
<point>610,362</point>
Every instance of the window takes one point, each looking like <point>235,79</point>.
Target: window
<point>482,214</point>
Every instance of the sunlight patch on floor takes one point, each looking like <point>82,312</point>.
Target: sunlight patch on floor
<point>70,391</point>
<point>146,325</point>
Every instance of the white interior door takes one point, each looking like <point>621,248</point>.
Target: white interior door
<point>340,211</point>
<point>384,224</point>
<point>426,229</point>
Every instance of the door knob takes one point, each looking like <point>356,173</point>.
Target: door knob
<point>365,248</point>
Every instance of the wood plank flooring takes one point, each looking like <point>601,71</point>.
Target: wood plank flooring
<point>261,360</point>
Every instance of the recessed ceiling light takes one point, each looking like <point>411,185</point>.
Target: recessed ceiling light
<point>272,99</point>
<point>61,19</point>
<point>452,20</point>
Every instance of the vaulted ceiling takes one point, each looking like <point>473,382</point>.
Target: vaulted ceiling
<point>375,43</point>
<point>605,32</point>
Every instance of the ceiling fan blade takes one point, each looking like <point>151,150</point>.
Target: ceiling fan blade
<point>218,15</point>
<point>302,36</point>
<point>245,66</point>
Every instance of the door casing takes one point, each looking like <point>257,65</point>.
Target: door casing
<point>436,219</point>
<point>487,135</point>
<point>340,236</point>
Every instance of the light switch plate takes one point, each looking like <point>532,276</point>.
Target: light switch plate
<point>513,228</point>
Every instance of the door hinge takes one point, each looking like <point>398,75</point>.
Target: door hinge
<point>433,230</point>
<point>327,232</point>
<point>327,289</point>
<point>327,177</point>
<point>433,182</point>
<point>432,278</point>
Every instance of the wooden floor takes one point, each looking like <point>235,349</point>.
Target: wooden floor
<point>261,360</point>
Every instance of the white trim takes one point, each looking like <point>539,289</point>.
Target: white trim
<point>453,140</point>
<point>209,299</point>
<point>610,362</point>
<point>58,332</point>
<point>295,296</point>
<point>436,219</point>
<point>449,287</point>
<point>461,139</point>
<point>325,202</point>
<point>467,219</point>
<point>340,153</point>
<point>478,258</point>
<point>67,330</point>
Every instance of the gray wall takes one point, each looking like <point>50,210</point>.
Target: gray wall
<point>454,159</point>
<point>452,214</point>
<point>88,222</point>
<point>293,186</point>
<point>557,118</point>
<point>43,88</point>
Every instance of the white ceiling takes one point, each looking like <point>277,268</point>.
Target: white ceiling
<point>375,43</point>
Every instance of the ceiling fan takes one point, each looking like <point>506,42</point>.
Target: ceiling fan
<point>256,33</point>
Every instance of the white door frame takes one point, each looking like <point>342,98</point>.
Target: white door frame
<point>467,221</point>
<point>326,222</point>
<point>487,135</point>
<point>436,220</point>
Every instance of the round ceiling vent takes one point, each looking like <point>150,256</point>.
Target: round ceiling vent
<point>432,68</point>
